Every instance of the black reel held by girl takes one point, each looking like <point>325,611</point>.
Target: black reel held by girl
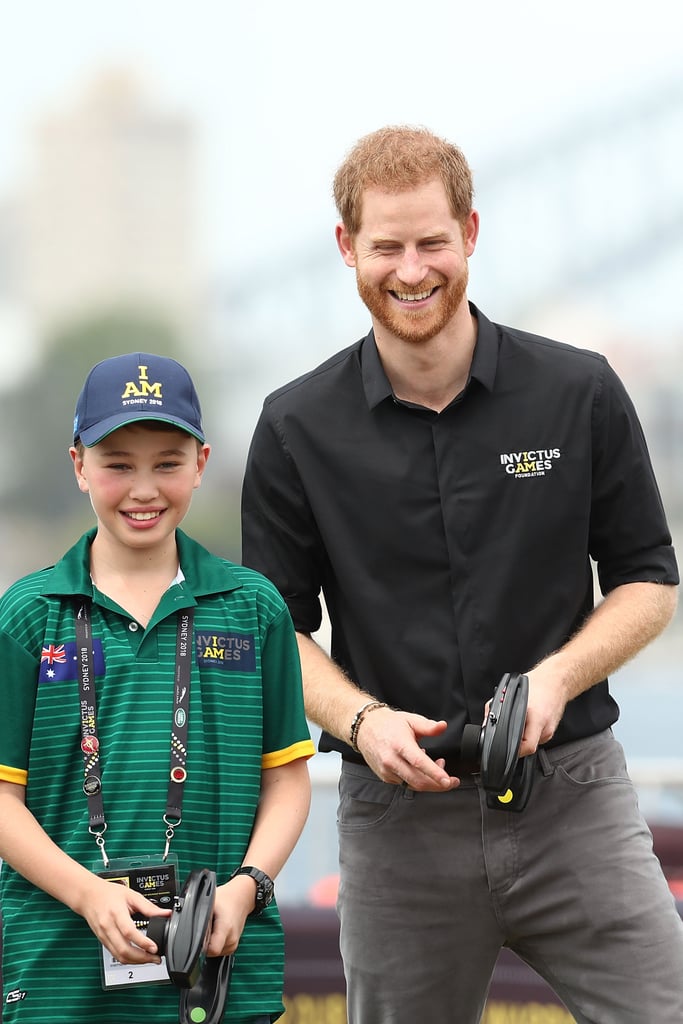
<point>494,746</point>
<point>183,939</point>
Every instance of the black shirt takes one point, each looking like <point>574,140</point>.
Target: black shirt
<point>453,547</point>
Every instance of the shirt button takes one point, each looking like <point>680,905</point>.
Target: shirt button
<point>133,627</point>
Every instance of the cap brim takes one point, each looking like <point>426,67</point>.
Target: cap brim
<point>93,435</point>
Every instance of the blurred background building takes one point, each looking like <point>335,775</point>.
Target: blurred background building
<point>108,244</point>
<point>108,205</point>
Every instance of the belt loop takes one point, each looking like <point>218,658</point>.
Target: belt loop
<point>407,794</point>
<point>544,761</point>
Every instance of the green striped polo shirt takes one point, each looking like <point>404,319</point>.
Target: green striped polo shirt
<point>245,714</point>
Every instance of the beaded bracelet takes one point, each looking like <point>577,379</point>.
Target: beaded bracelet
<point>371,705</point>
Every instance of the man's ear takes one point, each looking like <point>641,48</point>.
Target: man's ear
<point>345,243</point>
<point>471,232</point>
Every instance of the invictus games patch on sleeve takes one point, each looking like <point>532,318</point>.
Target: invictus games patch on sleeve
<point>235,652</point>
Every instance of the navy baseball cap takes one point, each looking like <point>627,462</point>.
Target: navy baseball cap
<point>134,387</point>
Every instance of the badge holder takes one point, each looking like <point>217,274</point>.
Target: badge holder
<point>183,937</point>
<point>157,881</point>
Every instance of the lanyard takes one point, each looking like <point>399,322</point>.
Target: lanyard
<point>90,744</point>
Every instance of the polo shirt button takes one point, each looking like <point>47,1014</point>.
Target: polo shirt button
<point>133,627</point>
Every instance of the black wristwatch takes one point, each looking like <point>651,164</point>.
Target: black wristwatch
<point>265,888</point>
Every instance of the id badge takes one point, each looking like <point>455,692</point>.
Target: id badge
<point>157,881</point>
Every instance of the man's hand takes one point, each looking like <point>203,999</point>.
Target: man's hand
<point>389,742</point>
<point>545,707</point>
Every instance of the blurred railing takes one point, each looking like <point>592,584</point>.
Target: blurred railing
<point>659,782</point>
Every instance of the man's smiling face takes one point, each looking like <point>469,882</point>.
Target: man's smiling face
<point>410,257</point>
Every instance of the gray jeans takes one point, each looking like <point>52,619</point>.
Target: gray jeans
<point>434,884</point>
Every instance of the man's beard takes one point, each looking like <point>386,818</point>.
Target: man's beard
<point>421,325</point>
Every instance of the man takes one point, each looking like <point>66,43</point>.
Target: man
<point>446,482</point>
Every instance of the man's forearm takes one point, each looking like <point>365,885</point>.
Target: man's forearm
<point>331,698</point>
<point>629,618</point>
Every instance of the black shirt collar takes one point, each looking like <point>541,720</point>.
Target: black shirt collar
<point>483,369</point>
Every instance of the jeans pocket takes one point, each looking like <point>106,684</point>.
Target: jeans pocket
<point>364,800</point>
<point>599,760</point>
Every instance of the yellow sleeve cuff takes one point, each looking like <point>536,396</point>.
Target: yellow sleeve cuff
<point>305,748</point>
<point>17,775</point>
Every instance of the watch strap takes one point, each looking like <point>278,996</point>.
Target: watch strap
<point>265,887</point>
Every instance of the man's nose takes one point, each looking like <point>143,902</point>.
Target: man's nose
<point>412,268</point>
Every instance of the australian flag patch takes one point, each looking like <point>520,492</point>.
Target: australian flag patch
<point>59,664</point>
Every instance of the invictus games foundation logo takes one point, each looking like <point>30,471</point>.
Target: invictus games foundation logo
<point>525,464</point>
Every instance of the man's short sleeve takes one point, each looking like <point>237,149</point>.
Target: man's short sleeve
<point>279,536</point>
<point>630,538</point>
